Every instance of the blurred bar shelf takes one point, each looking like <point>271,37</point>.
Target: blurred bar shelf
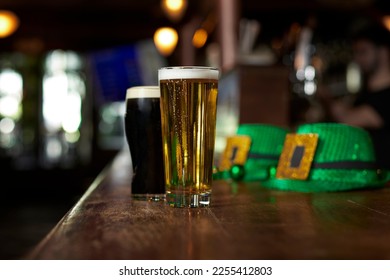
<point>245,221</point>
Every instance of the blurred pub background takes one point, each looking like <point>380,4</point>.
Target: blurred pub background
<point>66,65</point>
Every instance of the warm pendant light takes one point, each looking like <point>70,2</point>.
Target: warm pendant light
<point>9,22</point>
<point>174,9</point>
<point>386,22</point>
<point>165,39</point>
<point>200,37</point>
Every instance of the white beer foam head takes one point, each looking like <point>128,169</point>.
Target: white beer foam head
<point>188,72</point>
<point>143,92</point>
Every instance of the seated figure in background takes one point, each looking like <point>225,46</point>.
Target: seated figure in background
<point>371,109</point>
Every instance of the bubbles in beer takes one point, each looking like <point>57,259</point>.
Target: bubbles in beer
<point>188,125</point>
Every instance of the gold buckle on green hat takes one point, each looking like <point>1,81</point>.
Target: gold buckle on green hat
<point>236,151</point>
<point>266,143</point>
<point>297,156</point>
<point>344,159</point>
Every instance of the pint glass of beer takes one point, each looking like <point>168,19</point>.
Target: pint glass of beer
<point>143,133</point>
<point>188,115</point>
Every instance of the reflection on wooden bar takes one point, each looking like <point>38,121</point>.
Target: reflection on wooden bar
<point>245,221</point>
<point>64,72</point>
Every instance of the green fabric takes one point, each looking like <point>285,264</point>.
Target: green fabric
<point>267,144</point>
<point>340,142</point>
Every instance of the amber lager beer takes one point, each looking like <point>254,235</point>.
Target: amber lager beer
<point>188,114</point>
<point>143,133</point>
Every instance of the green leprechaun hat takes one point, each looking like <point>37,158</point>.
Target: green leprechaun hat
<point>252,152</point>
<point>323,157</point>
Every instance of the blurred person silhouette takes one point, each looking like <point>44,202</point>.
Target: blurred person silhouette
<point>371,108</point>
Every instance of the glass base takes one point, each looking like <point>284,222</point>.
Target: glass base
<point>148,197</point>
<point>189,200</point>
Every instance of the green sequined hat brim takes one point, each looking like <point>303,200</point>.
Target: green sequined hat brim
<point>330,181</point>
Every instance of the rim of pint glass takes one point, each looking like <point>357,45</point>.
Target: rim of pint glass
<point>143,92</point>
<point>188,72</point>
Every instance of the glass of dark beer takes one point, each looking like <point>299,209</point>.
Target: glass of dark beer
<point>188,114</point>
<point>143,134</point>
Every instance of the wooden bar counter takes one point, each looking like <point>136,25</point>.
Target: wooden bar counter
<point>245,221</point>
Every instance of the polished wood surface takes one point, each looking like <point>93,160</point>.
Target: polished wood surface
<point>245,221</point>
